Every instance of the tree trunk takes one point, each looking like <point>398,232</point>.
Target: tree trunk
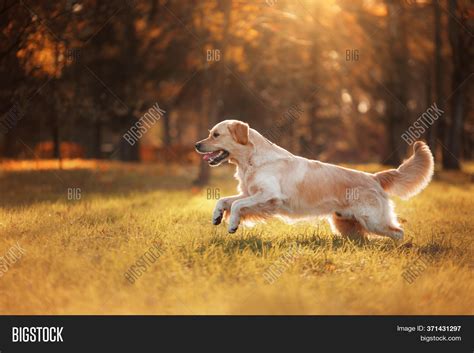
<point>459,46</point>
<point>55,133</point>
<point>204,169</point>
<point>127,151</point>
<point>97,137</point>
<point>55,137</point>
<point>55,126</point>
<point>430,134</point>
<point>216,97</point>
<point>438,77</point>
<point>9,149</point>
<point>167,129</point>
<point>397,83</point>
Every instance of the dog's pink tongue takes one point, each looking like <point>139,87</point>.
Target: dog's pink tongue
<point>208,156</point>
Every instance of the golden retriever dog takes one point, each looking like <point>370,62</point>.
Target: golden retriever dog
<point>274,182</point>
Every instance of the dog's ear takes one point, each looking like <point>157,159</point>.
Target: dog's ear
<point>239,132</point>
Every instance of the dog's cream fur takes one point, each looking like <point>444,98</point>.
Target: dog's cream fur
<point>274,182</point>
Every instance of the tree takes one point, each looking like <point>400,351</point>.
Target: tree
<point>397,82</point>
<point>216,96</point>
<point>461,44</point>
<point>438,74</point>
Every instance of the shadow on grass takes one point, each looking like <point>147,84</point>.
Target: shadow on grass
<point>259,244</point>
<point>435,247</point>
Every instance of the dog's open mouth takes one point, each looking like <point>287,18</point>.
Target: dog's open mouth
<point>214,158</point>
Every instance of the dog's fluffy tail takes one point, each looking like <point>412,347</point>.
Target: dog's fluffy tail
<point>412,176</point>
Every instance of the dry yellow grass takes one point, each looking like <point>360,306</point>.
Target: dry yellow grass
<point>76,252</point>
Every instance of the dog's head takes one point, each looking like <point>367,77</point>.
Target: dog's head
<point>228,139</point>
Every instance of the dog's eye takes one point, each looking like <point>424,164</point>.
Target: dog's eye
<point>215,134</point>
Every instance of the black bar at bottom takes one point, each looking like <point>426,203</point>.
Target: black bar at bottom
<point>245,333</point>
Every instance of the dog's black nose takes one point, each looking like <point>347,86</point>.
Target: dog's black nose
<point>197,146</point>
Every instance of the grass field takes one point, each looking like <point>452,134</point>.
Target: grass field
<point>76,252</point>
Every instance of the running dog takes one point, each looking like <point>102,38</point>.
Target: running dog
<point>274,182</point>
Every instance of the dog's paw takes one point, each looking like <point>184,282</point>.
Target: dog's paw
<point>217,216</point>
<point>216,220</point>
<point>233,229</point>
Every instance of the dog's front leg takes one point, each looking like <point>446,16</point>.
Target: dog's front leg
<point>237,206</point>
<point>222,205</point>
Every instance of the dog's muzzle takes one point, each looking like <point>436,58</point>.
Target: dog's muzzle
<point>213,158</point>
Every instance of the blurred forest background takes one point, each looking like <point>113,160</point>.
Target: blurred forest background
<point>76,75</point>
